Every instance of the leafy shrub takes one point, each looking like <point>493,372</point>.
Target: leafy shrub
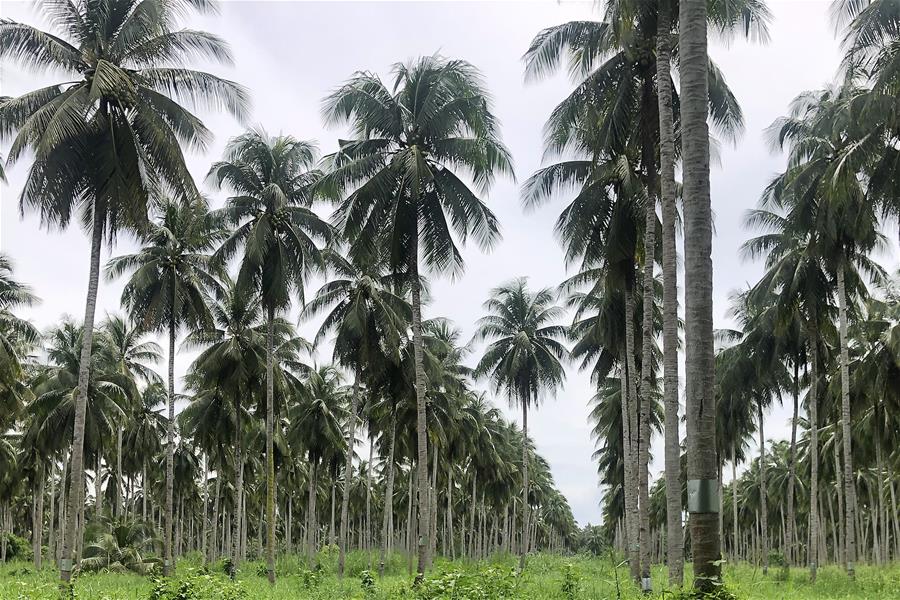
<point>197,586</point>
<point>367,582</point>
<point>720,592</point>
<point>485,584</point>
<point>310,579</point>
<point>571,582</point>
<point>18,548</point>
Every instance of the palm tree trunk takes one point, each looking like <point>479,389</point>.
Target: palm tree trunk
<point>526,508</point>
<point>168,559</point>
<point>387,528</point>
<point>813,400</point>
<point>75,498</point>
<point>424,544</point>
<point>238,491</point>
<point>764,513</point>
<point>205,524</point>
<point>849,484</point>
<point>633,520</point>
<point>312,524</point>
<point>674,542</point>
<point>348,475</point>
<point>51,538</point>
<point>450,512</point>
<point>288,525</point>
<point>270,449</point>
<point>646,360</point>
<point>213,537</point>
<point>98,487</point>
<point>368,538</point>
<point>699,358</point>
<point>734,503</point>
<point>471,545</point>
<point>119,490</point>
<point>37,520</point>
<point>331,539</point>
<point>792,469</point>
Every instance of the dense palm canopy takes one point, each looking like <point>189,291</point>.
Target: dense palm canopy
<point>260,449</point>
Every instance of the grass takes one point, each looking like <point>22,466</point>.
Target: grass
<point>546,577</point>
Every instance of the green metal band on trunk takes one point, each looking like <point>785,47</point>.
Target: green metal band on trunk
<point>703,495</point>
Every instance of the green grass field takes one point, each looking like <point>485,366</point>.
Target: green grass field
<point>546,577</point>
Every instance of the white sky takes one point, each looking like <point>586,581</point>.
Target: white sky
<point>291,54</point>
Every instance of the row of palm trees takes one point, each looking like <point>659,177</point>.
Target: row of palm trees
<point>218,485</point>
<point>407,186</point>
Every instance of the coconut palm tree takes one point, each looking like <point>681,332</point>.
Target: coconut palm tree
<point>128,354</point>
<point>231,364</point>
<point>16,335</point>
<point>399,184</point>
<point>368,322</point>
<point>524,357</point>
<point>316,425</point>
<point>822,192</point>
<point>272,181</point>
<point>166,292</point>
<point>104,141</point>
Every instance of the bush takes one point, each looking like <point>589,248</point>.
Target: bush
<point>484,584</point>
<point>197,586</point>
<point>367,582</point>
<point>311,579</point>
<point>571,582</point>
<point>18,548</point>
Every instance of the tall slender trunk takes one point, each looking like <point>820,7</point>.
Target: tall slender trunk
<point>648,160</point>
<point>629,498</point>
<point>312,523</point>
<point>633,436</point>
<point>288,525</point>
<point>449,535</point>
<point>424,544</point>
<point>75,498</point>
<point>674,541</point>
<point>63,505</point>
<point>647,343</point>
<point>37,519</point>
<point>792,469</point>
<point>145,491</point>
<point>120,492</point>
<point>849,483</point>
<point>734,503</point>
<point>471,545</point>
<point>168,559</point>
<point>51,538</point>
<point>205,524</point>
<point>270,447</point>
<point>839,488</point>
<point>348,475</point>
<point>764,513</point>
<point>526,507</point>
<point>98,487</point>
<point>213,538</point>
<point>387,529</point>
<point>813,400</point>
<point>699,358</point>
<point>368,538</point>
<point>238,491</point>
<point>882,514</point>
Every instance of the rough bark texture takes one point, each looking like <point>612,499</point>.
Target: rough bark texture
<point>168,563</point>
<point>647,343</point>
<point>674,541</point>
<point>813,400</point>
<point>270,449</point>
<point>626,462</point>
<point>119,491</point>
<point>424,545</point>
<point>75,496</point>
<point>312,523</point>
<point>631,481</point>
<point>699,359</point>
<point>348,476</point>
<point>734,506</point>
<point>37,519</point>
<point>849,485</point>
<point>387,530</point>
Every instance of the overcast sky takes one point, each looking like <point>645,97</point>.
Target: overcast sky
<point>291,54</point>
